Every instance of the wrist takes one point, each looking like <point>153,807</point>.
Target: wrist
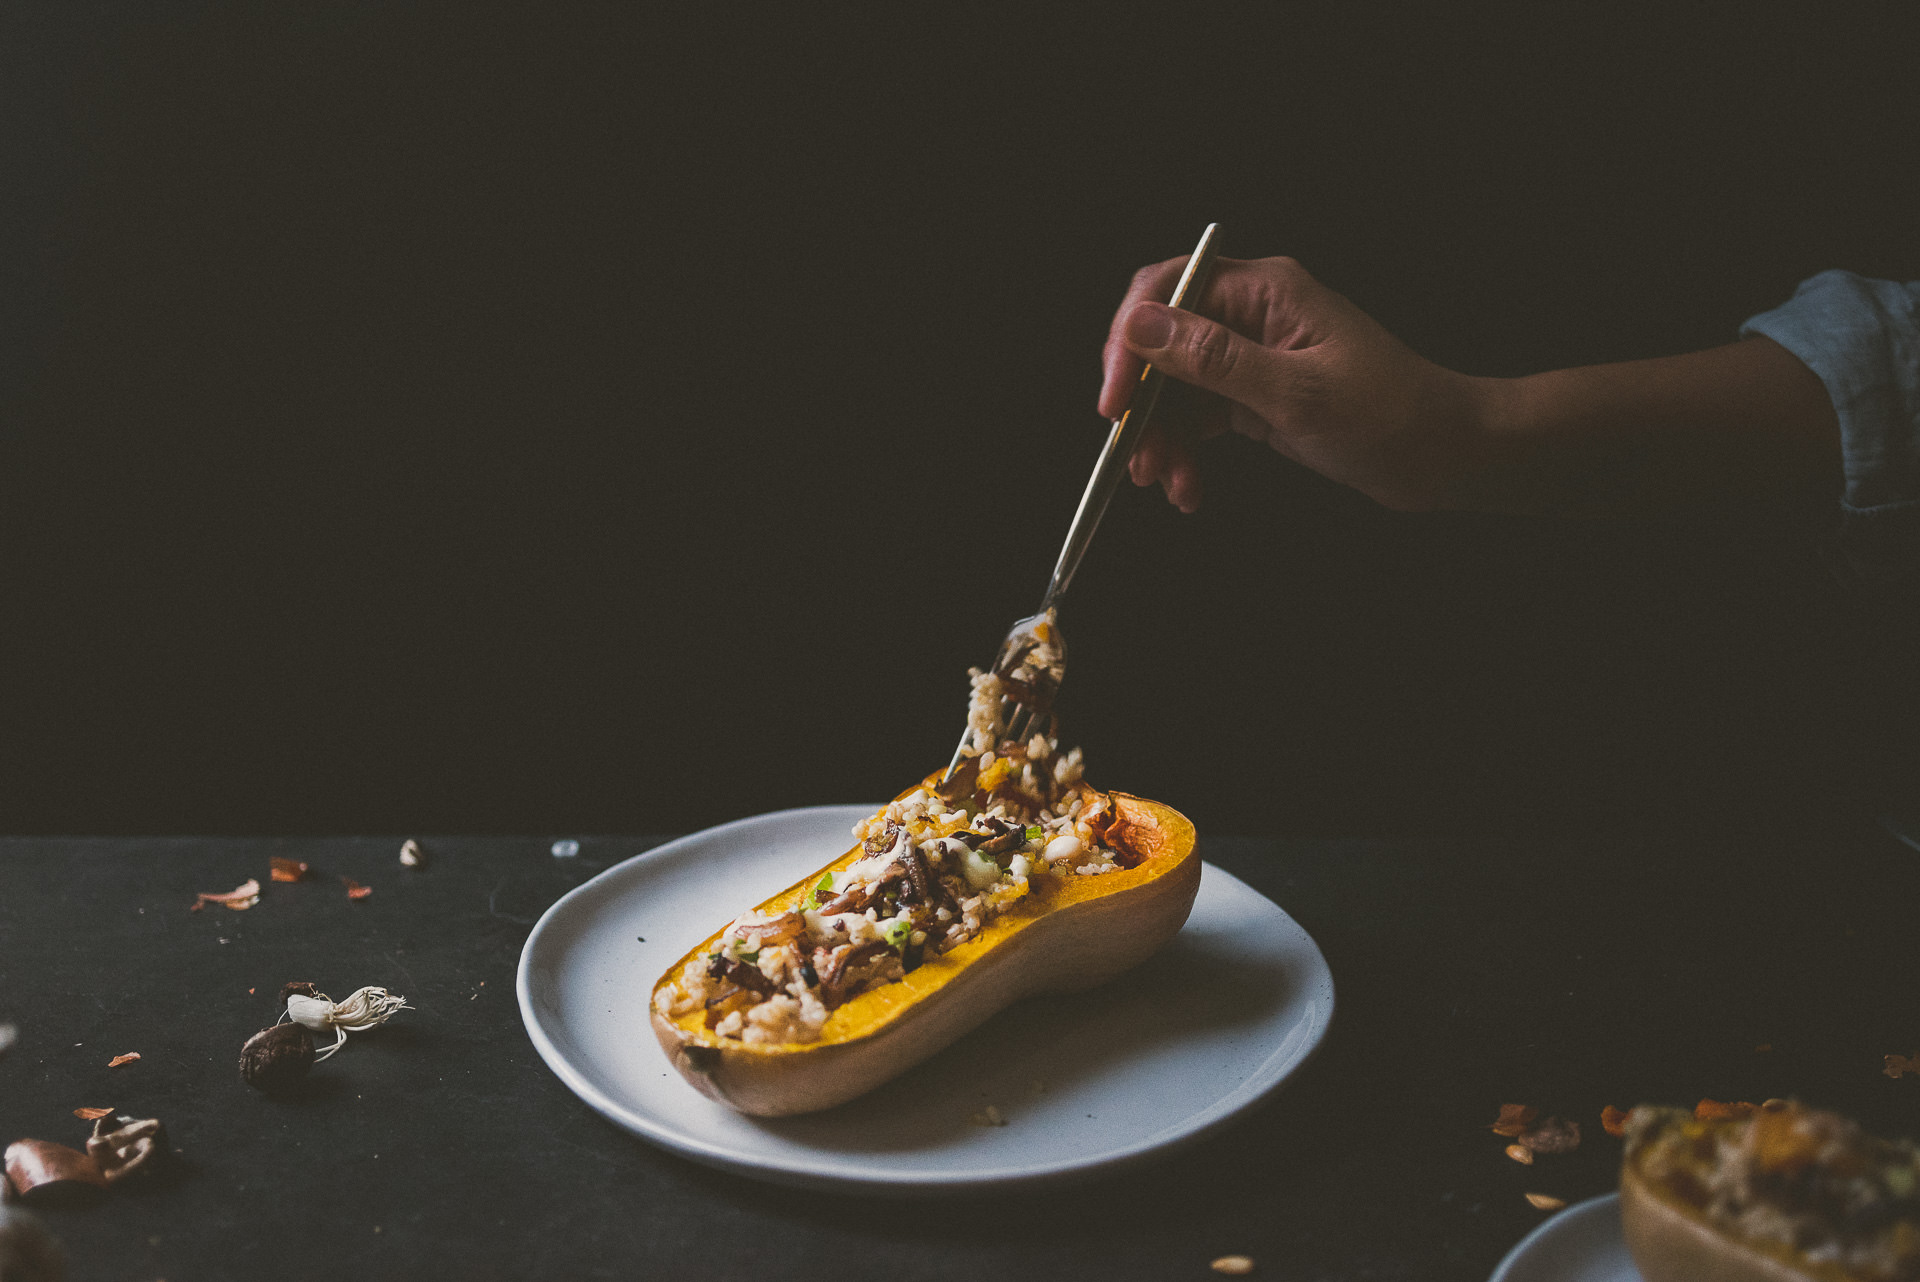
<point>1488,417</point>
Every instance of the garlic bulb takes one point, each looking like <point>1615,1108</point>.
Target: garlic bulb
<point>365,1009</point>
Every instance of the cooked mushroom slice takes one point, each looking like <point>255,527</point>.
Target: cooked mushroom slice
<point>920,878</point>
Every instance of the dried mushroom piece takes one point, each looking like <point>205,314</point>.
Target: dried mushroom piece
<point>1555,1135</point>
<point>124,1145</point>
<point>41,1168</point>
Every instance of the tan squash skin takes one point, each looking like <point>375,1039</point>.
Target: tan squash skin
<point>1068,934</point>
<point>1671,1242</point>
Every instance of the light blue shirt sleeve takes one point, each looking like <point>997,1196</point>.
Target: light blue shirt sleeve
<point>1862,337</point>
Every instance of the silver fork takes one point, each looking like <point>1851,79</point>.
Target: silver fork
<point>1036,643</point>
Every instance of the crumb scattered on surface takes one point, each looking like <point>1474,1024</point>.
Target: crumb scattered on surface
<point>1514,1119</point>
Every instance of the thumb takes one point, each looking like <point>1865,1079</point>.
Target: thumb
<point>1196,350</point>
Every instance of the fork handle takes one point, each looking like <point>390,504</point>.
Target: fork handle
<point>1124,435</point>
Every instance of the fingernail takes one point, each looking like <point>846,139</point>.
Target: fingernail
<point>1149,325</point>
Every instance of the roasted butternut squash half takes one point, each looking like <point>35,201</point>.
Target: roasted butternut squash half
<point>1015,879</point>
<point>1786,1194</point>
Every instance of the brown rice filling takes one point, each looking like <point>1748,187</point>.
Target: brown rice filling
<point>1791,1178</point>
<point>936,867</point>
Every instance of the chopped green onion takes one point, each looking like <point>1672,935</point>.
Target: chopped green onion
<point>753,956</point>
<point>897,932</point>
<point>813,898</point>
<point>1033,832</point>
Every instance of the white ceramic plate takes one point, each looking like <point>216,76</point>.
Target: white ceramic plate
<point>1579,1244</point>
<point>1193,1036</point>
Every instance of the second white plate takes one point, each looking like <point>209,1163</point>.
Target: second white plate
<point>1580,1244</point>
<point>1198,1033</point>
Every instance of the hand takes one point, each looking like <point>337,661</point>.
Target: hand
<point>1291,363</point>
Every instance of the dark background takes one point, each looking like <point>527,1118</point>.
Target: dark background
<point>419,417</point>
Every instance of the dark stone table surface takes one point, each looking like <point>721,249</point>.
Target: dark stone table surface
<point>1568,972</point>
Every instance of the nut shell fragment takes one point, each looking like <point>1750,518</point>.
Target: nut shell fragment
<point>240,898</point>
<point>28,1252</point>
<point>46,1168</point>
<point>274,1059</point>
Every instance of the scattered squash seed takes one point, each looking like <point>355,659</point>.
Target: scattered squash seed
<point>1233,1264</point>
<point>1520,1153</point>
<point>1546,1201</point>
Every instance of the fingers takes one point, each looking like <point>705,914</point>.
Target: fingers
<point>1182,482</point>
<point>1274,301</point>
<point>1269,309</point>
<point>1167,459</point>
<point>1120,365</point>
<point>1201,352</point>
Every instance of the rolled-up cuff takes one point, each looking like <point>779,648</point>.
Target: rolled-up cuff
<point>1862,338</point>
<point>1877,549</point>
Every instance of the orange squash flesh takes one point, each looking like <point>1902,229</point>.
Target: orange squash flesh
<point>1069,933</point>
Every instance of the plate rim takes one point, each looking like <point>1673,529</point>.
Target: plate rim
<point>1558,1222</point>
<point>1248,1095</point>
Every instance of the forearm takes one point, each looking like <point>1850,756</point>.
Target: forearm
<point>1732,422</point>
